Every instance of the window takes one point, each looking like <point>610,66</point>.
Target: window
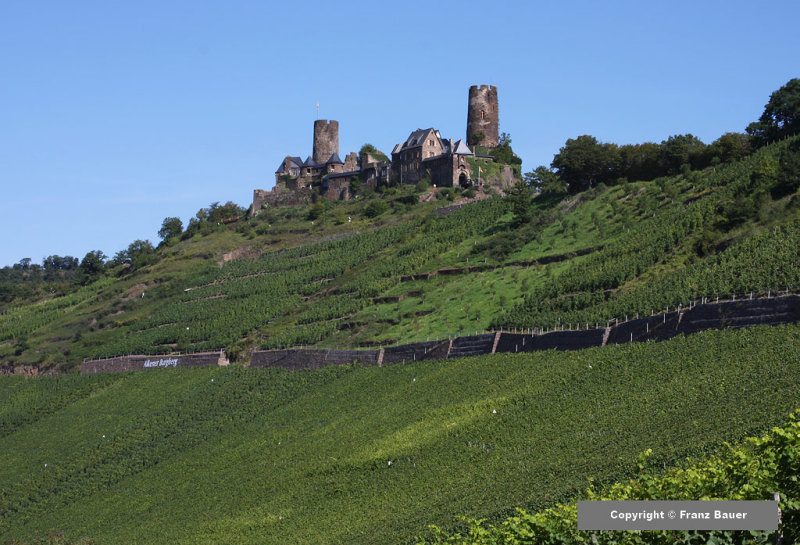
<point>481,114</point>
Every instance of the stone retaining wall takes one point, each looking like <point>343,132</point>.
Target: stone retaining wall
<point>743,313</point>
<point>138,363</point>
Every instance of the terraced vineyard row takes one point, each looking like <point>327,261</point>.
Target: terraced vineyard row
<point>583,293</point>
<point>246,295</point>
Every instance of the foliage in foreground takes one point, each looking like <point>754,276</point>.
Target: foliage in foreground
<point>753,471</point>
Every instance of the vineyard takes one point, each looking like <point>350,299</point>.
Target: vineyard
<point>756,470</point>
<point>351,454</point>
<point>602,256</point>
<point>360,454</point>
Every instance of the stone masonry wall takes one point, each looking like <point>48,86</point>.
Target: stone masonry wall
<point>279,198</point>
<point>326,140</point>
<point>483,115</point>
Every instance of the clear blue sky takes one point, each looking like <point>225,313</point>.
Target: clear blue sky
<point>115,115</point>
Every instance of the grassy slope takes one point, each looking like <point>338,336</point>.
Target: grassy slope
<point>305,297</point>
<point>268,456</point>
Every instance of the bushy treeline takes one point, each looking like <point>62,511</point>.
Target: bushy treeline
<point>585,162</point>
<point>54,267</point>
<point>28,280</point>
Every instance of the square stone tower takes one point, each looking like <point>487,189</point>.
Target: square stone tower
<point>483,120</point>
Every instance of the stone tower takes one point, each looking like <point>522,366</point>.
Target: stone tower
<point>482,116</point>
<point>326,140</point>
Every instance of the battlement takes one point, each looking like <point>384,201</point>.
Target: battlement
<point>481,87</point>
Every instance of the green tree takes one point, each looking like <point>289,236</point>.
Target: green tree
<point>372,150</point>
<point>216,213</point>
<point>519,196</point>
<point>477,138</point>
<point>545,181</point>
<point>584,162</point>
<point>316,211</point>
<point>730,147</point>
<point>789,170</point>
<point>170,227</point>
<point>781,115</point>
<point>679,150</point>
<point>639,162</point>
<point>92,266</point>
<point>765,173</point>
<point>58,263</point>
<point>355,185</point>
<point>376,208</point>
<point>503,152</point>
<point>138,254</point>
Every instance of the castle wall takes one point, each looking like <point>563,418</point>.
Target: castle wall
<point>274,198</point>
<point>338,189</point>
<point>326,140</point>
<point>483,115</point>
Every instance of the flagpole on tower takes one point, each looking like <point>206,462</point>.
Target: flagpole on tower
<point>318,109</point>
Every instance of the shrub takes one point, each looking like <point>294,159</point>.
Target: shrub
<point>376,208</point>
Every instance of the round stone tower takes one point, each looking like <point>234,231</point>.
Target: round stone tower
<point>483,121</point>
<point>326,140</point>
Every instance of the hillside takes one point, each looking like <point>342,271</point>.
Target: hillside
<point>365,454</point>
<point>359,274</point>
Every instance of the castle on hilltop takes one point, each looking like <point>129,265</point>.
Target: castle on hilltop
<point>423,155</point>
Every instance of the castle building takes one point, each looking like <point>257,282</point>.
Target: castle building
<point>425,154</point>
<point>295,173</point>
